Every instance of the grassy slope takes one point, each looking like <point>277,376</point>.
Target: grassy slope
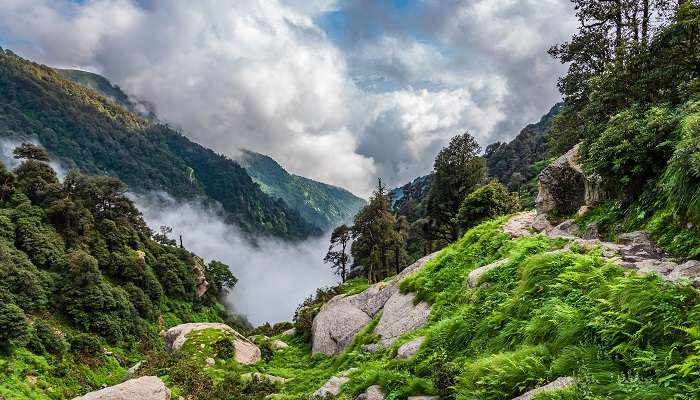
<point>540,316</point>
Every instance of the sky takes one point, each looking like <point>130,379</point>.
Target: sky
<point>342,91</point>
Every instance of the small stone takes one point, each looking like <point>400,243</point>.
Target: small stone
<point>32,379</point>
<point>277,380</point>
<point>278,345</point>
<point>373,392</point>
<point>210,361</point>
<point>540,223</point>
<point>131,372</point>
<point>558,384</point>
<point>410,349</point>
<point>332,386</point>
<point>370,348</point>
<point>423,397</point>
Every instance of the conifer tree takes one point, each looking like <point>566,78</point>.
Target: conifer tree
<point>337,251</point>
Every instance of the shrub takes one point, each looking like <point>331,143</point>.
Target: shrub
<point>45,340</point>
<point>486,202</point>
<point>224,348</point>
<point>85,344</point>
<point>13,323</point>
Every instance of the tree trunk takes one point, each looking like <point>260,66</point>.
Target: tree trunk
<point>645,21</point>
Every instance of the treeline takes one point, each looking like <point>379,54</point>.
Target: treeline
<point>95,135</point>
<point>381,242</point>
<point>80,267</point>
<point>632,97</point>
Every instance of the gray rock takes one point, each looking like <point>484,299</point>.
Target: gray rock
<point>640,244</point>
<point>520,224</point>
<point>410,349</point>
<point>210,361</point>
<point>540,223</point>
<point>566,229</point>
<point>373,392</point>
<point>333,385</point>
<point>401,315</point>
<point>343,317</point>
<point>277,380</point>
<point>475,275</point>
<point>246,352</point>
<point>561,185</point>
<point>371,348</point>
<point>592,232</point>
<point>278,345</point>
<point>199,278</point>
<point>131,372</point>
<point>143,388</point>
<point>423,397</point>
<point>558,384</point>
<point>290,332</point>
<point>689,270</point>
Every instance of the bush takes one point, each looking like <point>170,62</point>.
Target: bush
<point>45,340</point>
<point>224,348</point>
<point>486,202</point>
<point>13,323</point>
<point>85,344</point>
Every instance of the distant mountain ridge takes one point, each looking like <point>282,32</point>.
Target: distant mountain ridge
<point>321,204</point>
<point>98,136</point>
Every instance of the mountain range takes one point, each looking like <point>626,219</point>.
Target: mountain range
<point>88,123</point>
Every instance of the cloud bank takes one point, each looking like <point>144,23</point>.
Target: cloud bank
<point>273,277</point>
<point>339,91</point>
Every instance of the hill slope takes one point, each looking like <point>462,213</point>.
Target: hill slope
<point>87,131</point>
<point>323,205</point>
<point>319,203</point>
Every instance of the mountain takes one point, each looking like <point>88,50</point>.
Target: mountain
<point>516,163</point>
<point>88,131</point>
<point>323,205</point>
<point>409,199</point>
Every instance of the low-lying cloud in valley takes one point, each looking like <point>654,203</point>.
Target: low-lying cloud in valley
<point>274,276</point>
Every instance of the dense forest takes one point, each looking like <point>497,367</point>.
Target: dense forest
<point>82,273</point>
<point>87,131</point>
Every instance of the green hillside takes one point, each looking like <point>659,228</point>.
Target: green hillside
<point>86,287</point>
<point>87,131</point>
<point>321,204</point>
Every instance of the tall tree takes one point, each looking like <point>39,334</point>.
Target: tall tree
<point>458,170</point>
<point>337,251</point>
<point>373,232</point>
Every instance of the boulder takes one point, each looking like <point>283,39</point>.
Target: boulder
<point>278,345</point>
<point>290,332</point>
<point>592,232</point>
<point>564,188</point>
<point>520,224</point>
<point>401,315</point>
<point>690,270</point>
<point>277,380</point>
<point>410,349</point>
<point>373,392</point>
<point>475,275</point>
<point>340,319</point>
<point>246,352</point>
<point>200,279</point>
<point>333,385</point>
<point>143,388</point>
<point>423,397</point>
<point>566,229</point>
<point>558,384</point>
<point>640,244</point>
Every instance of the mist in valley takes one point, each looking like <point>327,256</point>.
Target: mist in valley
<point>273,276</point>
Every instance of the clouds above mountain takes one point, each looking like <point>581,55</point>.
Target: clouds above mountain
<point>341,91</point>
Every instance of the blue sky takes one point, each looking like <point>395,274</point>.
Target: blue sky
<point>342,91</point>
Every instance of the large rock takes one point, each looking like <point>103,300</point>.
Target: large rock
<point>277,380</point>
<point>373,392</point>
<point>200,279</point>
<point>566,229</point>
<point>246,352</point>
<point>563,188</point>
<point>410,349</point>
<point>401,315</point>
<point>343,317</point>
<point>143,388</point>
<point>558,384</point>
<point>476,274</point>
<point>520,224</point>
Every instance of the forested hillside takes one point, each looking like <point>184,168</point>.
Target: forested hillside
<point>321,204</point>
<point>87,131</point>
<point>86,286</point>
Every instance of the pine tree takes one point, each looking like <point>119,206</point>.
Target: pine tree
<point>340,238</point>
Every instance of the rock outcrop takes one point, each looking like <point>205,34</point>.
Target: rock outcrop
<point>373,392</point>
<point>343,317</point>
<point>333,385</point>
<point>143,388</point>
<point>200,279</point>
<point>410,349</point>
<point>476,274</point>
<point>277,380</point>
<point>246,351</point>
<point>564,188</point>
<point>558,384</point>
